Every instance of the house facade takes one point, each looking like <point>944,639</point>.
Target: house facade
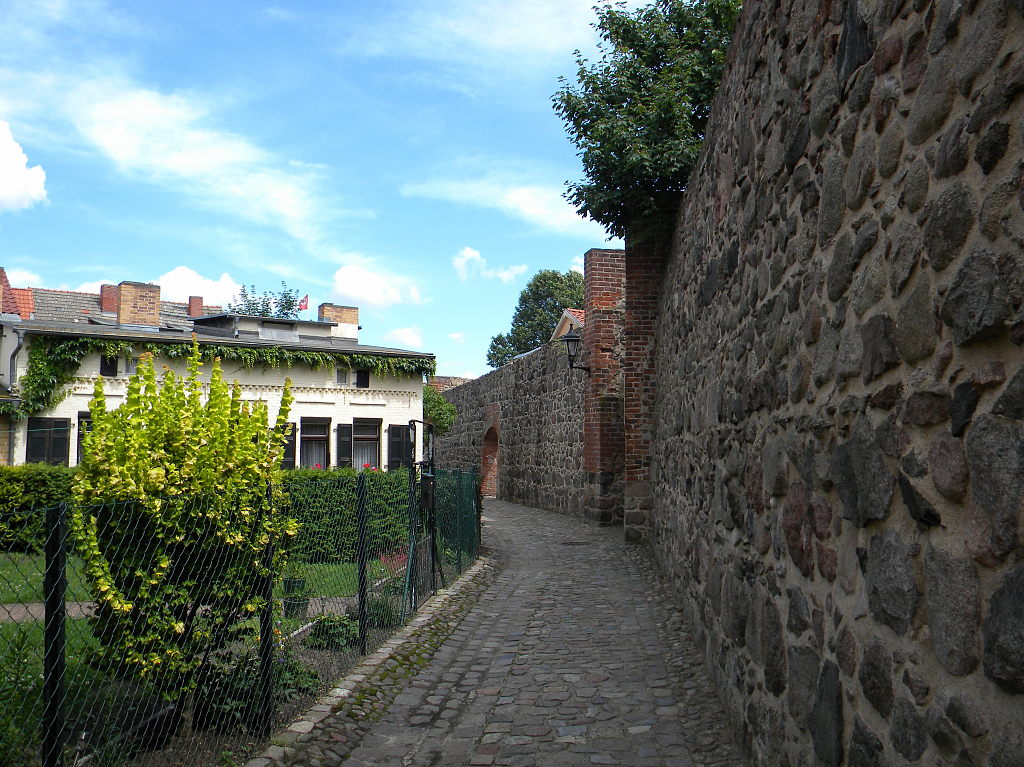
<point>352,403</point>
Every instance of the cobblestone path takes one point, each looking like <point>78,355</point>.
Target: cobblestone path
<point>569,657</point>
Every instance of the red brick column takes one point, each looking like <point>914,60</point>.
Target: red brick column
<point>603,446</point>
<point>645,267</point>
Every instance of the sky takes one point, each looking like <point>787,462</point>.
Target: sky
<point>401,156</point>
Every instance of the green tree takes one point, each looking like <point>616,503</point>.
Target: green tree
<point>541,303</point>
<point>638,114</point>
<point>438,411</point>
<point>283,304</point>
<point>173,519</point>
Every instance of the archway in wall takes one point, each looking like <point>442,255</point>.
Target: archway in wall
<point>489,463</point>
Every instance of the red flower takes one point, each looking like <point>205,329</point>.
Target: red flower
<point>318,466</point>
<point>366,466</point>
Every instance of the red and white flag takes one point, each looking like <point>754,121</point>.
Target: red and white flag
<point>304,303</point>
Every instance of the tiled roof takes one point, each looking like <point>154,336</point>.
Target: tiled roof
<point>9,305</point>
<point>23,298</point>
<point>69,306</point>
<point>579,314</point>
<point>444,383</point>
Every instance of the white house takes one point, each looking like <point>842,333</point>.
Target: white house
<point>352,407</point>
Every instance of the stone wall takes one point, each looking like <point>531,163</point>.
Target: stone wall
<point>535,405</point>
<point>838,452</point>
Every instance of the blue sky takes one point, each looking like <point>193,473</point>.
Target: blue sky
<point>402,156</point>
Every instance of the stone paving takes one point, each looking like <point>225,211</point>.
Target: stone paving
<point>562,653</point>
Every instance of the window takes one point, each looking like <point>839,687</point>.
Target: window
<point>48,440</point>
<point>342,376</point>
<point>400,447</point>
<point>131,365</point>
<point>313,451</point>
<point>288,457</point>
<point>108,367</point>
<point>366,443</point>
<point>84,427</point>
<point>362,379</point>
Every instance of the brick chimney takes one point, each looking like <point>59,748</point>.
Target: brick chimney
<point>195,306</point>
<point>346,317</point>
<point>138,304</point>
<point>108,298</point>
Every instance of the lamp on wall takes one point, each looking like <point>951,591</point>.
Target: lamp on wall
<point>572,339</point>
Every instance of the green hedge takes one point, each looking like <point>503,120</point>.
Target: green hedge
<point>323,502</point>
<point>25,493</point>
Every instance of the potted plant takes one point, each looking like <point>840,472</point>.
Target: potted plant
<point>293,578</point>
<point>296,598</point>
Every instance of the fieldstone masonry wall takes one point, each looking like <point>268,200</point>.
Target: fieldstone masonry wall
<point>536,406</point>
<point>838,448</point>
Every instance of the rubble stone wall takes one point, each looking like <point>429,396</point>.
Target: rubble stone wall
<point>838,455</point>
<point>536,406</point>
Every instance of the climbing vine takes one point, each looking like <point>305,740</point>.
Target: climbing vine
<point>53,362</point>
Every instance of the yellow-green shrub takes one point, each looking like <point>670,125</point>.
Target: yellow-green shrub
<point>174,518</point>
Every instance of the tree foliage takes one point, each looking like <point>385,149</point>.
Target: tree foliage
<point>541,304</point>
<point>438,411</point>
<point>638,114</point>
<point>174,518</point>
<point>283,304</point>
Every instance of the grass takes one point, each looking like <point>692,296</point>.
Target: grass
<point>21,579</point>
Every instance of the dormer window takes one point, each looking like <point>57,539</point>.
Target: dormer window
<point>278,331</point>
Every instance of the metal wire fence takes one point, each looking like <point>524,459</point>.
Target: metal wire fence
<point>190,649</point>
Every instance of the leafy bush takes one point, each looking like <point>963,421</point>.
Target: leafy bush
<point>383,611</point>
<point>333,632</point>
<point>174,518</point>
<point>228,693</point>
<point>25,493</point>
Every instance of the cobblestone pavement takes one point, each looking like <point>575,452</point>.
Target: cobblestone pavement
<point>569,656</point>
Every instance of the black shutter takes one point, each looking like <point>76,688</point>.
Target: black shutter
<point>362,379</point>
<point>288,459</point>
<point>344,444</point>
<point>395,448</point>
<point>36,450</point>
<point>400,452</point>
<point>60,441</point>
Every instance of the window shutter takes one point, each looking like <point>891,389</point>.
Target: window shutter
<point>288,459</point>
<point>362,379</point>
<point>396,449</point>
<point>36,450</point>
<point>60,442</point>
<point>344,444</point>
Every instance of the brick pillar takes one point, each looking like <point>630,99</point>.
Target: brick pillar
<point>108,298</point>
<point>195,306</point>
<point>603,446</point>
<point>645,266</point>
<point>138,303</point>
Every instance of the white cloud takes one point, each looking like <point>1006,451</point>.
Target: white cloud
<point>20,185</point>
<point>363,286</point>
<point>469,262</point>
<point>182,282</point>
<point>459,338</point>
<point>537,204</point>
<point>170,139</point>
<point>577,264</point>
<point>23,278</point>
<point>410,337</point>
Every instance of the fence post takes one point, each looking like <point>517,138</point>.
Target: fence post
<point>409,593</point>
<point>54,637</point>
<point>361,556</point>
<point>266,649</point>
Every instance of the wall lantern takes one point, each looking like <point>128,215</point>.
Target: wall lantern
<point>572,349</point>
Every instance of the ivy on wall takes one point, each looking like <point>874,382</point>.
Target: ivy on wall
<point>53,362</point>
